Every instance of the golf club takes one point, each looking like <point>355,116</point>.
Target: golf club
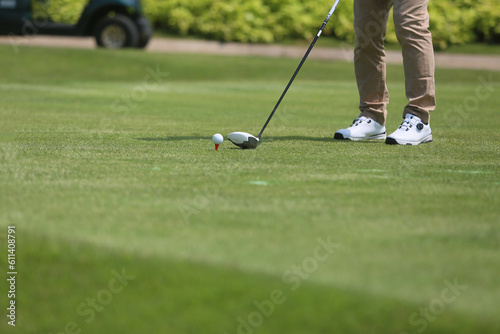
<point>246,140</point>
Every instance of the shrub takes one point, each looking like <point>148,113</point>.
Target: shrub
<point>62,11</point>
<point>487,22</point>
<point>452,21</point>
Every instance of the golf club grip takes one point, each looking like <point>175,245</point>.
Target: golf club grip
<point>332,10</point>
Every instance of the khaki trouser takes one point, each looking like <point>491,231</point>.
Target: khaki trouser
<point>411,19</point>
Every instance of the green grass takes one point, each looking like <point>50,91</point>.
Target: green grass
<point>475,48</point>
<point>332,42</point>
<point>96,180</point>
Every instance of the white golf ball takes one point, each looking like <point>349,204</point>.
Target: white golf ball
<point>217,138</point>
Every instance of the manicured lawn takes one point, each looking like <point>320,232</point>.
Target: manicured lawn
<point>108,170</point>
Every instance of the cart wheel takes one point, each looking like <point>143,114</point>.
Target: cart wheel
<point>117,32</point>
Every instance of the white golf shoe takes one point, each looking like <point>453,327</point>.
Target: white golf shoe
<point>362,128</point>
<point>411,132</point>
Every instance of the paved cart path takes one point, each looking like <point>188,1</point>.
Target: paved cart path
<point>169,45</point>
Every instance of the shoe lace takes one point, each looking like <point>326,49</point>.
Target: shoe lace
<point>360,120</point>
<point>408,123</point>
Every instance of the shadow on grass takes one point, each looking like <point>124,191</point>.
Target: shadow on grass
<point>318,139</point>
<point>305,310</point>
<point>297,138</point>
<point>178,138</point>
<point>265,139</point>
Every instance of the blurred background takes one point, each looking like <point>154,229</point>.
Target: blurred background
<point>456,22</point>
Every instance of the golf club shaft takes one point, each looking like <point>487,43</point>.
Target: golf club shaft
<point>300,66</point>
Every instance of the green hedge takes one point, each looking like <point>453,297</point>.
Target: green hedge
<point>62,11</point>
<point>239,20</point>
<point>452,21</point>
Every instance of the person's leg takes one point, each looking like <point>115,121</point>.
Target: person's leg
<point>370,25</point>
<point>411,19</point>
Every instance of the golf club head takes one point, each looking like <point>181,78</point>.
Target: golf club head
<point>243,140</point>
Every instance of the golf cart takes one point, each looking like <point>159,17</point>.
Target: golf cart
<point>113,23</point>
